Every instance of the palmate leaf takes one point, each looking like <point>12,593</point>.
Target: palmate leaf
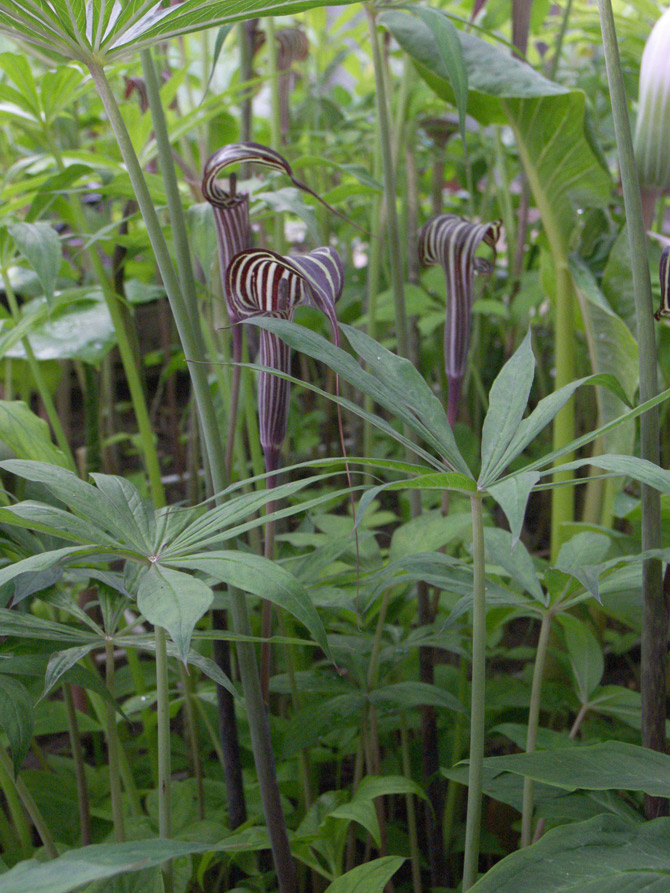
<point>16,718</point>
<point>105,30</point>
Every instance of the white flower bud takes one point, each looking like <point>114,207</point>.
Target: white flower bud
<point>652,133</point>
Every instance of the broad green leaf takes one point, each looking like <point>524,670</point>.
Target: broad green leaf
<point>512,497</point>
<point>369,878</point>
<point>77,329</point>
<point>580,558</point>
<point>40,245</point>
<point>379,786</point>
<point>45,560</point>
<point>107,860</point>
<point>13,623</point>
<point>513,556</point>
<point>54,521</point>
<point>16,718</point>
<point>586,656</point>
<point>61,661</point>
<point>605,853</point>
<point>428,532</point>
<point>613,350</point>
<point>595,767</point>
<point>308,725</point>
<point>27,435</point>
<point>507,403</point>
<point>127,503</point>
<point>629,466</point>
<point>257,575</point>
<point>175,601</point>
<point>83,498</point>
<point>202,230</point>
<point>409,695</point>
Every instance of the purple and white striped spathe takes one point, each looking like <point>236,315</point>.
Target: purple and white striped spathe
<point>263,283</point>
<point>451,242</point>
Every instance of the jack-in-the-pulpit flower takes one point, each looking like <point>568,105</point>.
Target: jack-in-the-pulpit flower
<point>652,147</point>
<point>233,231</point>
<point>263,283</point>
<point>451,242</point>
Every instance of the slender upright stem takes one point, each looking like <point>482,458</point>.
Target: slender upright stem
<point>30,806</point>
<point>169,175</point>
<point>563,498</point>
<point>164,755</point>
<point>246,74</point>
<point>113,747</point>
<point>654,604</point>
<point>478,697</point>
<point>411,812</point>
<point>79,767</point>
<point>395,247</point>
<point>533,722</point>
<point>128,357</point>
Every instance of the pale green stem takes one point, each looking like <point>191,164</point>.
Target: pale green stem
<point>654,609</point>
<point>373,667</point>
<point>214,456</point>
<point>563,498</point>
<point>21,827</point>
<point>113,747</point>
<point>533,723</point>
<point>79,767</point>
<point>191,721</point>
<point>556,58</point>
<point>454,787</point>
<point>394,244</point>
<point>273,73</point>
<point>164,755</point>
<point>128,358</point>
<point>411,812</point>
<point>169,175</point>
<point>477,699</point>
<point>40,383</point>
<point>148,719</point>
<point>30,806</point>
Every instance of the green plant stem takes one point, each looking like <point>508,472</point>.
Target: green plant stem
<point>556,58</point>
<point>164,755</point>
<point>411,812</point>
<point>214,458</point>
<point>148,717</point>
<point>169,175</point>
<point>113,747</point>
<point>79,767</point>
<point>17,815</point>
<point>563,498</point>
<point>533,722</point>
<point>30,806</point>
<point>654,605</point>
<point>36,372</point>
<point>273,73</point>
<point>478,697</point>
<point>246,74</point>
<point>454,788</point>
<point>128,358</point>
<point>394,244</point>
<point>191,723</point>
